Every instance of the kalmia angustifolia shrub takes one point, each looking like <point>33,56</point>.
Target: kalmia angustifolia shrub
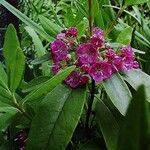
<point>89,62</point>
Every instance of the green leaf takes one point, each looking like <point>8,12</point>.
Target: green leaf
<point>137,77</point>
<point>125,36</point>
<point>95,8</point>
<point>26,20</point>
<point>134,132</point>
<point>118,92</point>
<point>5,96</point>
<point>6,113</point>
<point>37,42</point>
<point>80,8</point>
<point>48,86</point>
<point>56,119</point>
<point>39,48</point>
<point>134,2</point>
<point>104,118</point>
<point>41,59</point>
<point>14,58</point>
<point>34,84</point>
<point>50,27</point>
<point>3,76</point>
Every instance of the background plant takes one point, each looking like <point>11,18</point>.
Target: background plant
<point>56,109</point>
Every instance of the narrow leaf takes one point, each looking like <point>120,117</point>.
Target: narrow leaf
<point>39,48</point>
<point>51,28</point>
<point>48,86</point>
<point>14,58</point>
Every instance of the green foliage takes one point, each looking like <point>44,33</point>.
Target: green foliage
<point>26,20</point>
<point>56,118</point>
<point>134,2</point>
<point>107,124</point>
<point>50,27</point>
<point>118,92</point>
<point>136,124</point>
<point>125,36</point>
<point>14,58</point>
<point>53,114</point>
<point>48,86</point>
<point>137,77</point>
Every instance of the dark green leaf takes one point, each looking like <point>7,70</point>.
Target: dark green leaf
<point>118,92</point>
<point>134,132</point>
<point>137,77</point>
<point>5,114</point>
<point>56,119</point>
<point>108,125</point>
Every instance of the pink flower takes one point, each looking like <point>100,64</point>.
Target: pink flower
<point>97,32</point>
<point>128,59</point>
<point>101,71</point>
<point>59,50</point>
<point>75,79</point>
<point>71,32</point>
<point>97,38</point>
<point>127,52</point>
<point>87,54</point>
<point>113,59</point>
<point>56,68</point>
<point>61,36</point>
<point>136,65</point>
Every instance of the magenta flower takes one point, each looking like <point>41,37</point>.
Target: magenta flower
<point>113,59</point>
<point>97,32</point>
<point>101,71</point>
<point>128,59</point>
<point>127,52</point>
<point>56,68</point>
<point>87,54</point>
<point>59,50</point>
<point>61,36</point>
<point>97,38</point>
<point>71,32</point>
<point>75,79</point>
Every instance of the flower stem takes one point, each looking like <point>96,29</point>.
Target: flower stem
<point>92,92</point>
<point>20,109</point>
<point>91,100</point>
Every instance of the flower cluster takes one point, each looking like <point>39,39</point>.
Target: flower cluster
<point>89,61</point>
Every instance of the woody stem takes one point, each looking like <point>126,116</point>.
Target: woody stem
<point>92,91</point>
